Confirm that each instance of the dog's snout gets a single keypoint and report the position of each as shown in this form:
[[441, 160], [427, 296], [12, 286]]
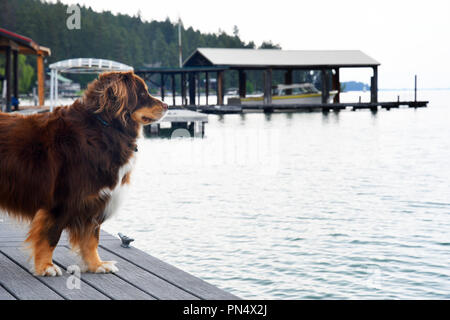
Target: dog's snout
[[164, 105]]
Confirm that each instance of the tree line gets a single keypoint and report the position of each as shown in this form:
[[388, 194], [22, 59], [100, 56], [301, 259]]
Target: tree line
[[123, 38]]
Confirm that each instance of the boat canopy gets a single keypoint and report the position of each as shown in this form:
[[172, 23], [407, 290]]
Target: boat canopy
[[80, 65]]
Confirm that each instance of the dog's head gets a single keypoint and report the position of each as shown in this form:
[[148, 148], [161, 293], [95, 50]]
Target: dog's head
[[124, 96]]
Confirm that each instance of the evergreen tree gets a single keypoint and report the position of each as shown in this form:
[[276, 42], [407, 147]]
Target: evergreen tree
[[118, 37]]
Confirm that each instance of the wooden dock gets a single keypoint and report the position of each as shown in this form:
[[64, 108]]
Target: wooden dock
[[325, 107], [140, 277]]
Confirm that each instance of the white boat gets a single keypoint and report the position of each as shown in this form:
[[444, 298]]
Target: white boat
[[298, 93]]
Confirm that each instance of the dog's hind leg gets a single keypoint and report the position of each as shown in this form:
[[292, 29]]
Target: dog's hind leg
[[43, 237], [87, 245]]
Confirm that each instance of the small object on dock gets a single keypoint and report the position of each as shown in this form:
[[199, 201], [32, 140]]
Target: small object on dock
[[125, 240]]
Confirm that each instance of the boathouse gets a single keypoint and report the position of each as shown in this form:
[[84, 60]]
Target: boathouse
[[216, 61], [268, 60], [11, 45]]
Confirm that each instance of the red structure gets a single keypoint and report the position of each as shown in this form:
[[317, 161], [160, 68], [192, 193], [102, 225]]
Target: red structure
[[13, 44]]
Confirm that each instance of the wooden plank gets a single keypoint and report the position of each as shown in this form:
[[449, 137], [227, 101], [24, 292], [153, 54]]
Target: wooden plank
[[21, 244], [15, 231], [57, 284], [5, 295], [145, 280], [6, 238], [22, 284], [110, 285], [169, 273]]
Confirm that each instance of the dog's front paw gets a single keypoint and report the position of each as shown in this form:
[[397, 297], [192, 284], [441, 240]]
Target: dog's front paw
[[107, 267], [50, 270]]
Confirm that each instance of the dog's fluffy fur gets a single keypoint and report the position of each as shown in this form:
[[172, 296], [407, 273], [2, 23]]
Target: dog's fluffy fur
[[61, 170]]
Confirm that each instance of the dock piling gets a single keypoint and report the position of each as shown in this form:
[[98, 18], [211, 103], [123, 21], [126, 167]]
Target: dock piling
[[415, 88]]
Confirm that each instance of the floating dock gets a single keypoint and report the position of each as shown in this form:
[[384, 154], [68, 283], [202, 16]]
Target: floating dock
[[140, 277], [178, 123]]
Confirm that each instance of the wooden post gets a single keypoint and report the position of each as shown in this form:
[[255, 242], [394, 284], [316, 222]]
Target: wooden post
[[197, 76], [162, 86], [183, 88], [220, 91], [337, 85], [268, 86], [325, 90], [242, 83], [8, 78], [191, 88], [206, 86], [16, 76], [374, 86], [415, 88], [288, 80], [173, 90], [41, 79]]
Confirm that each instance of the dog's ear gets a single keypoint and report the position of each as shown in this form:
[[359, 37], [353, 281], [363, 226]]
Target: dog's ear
[[115, 93]]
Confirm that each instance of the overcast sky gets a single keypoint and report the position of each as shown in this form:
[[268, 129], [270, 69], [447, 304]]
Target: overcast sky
[[406, 37]]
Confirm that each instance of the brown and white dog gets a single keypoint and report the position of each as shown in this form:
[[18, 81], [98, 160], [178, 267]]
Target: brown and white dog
[[64, 170]]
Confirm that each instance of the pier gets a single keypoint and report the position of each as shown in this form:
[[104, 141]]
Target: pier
[[140, 276], [324, 107], [220, 62]]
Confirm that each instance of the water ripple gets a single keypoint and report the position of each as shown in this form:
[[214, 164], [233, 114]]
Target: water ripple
[[350, 207]]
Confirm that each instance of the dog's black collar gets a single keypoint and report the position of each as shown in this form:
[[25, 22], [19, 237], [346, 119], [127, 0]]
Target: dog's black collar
[[104, 123]]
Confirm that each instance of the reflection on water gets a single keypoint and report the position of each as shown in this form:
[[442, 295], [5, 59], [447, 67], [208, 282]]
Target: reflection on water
[[302, 205]]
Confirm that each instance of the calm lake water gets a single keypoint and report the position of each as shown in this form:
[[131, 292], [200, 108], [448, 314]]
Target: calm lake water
[[352, 205]]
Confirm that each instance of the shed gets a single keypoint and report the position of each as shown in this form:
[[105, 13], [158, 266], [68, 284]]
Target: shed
[[14, 43]]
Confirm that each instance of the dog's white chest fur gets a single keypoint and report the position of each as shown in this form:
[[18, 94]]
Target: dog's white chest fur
[[117, 194]]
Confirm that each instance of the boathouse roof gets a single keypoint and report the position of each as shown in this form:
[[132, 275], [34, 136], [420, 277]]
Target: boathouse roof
[[22, 44], [275, 58]]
